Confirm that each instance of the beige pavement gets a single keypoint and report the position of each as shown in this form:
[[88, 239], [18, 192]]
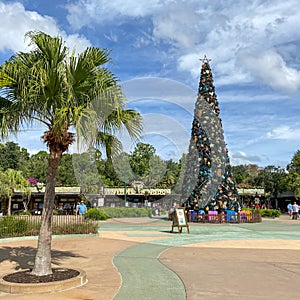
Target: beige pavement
[[251, 269]]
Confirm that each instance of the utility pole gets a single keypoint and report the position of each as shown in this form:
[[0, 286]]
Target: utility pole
[[124, 190]]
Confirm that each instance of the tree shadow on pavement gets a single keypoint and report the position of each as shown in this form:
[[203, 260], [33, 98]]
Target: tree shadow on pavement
[[24, 257]]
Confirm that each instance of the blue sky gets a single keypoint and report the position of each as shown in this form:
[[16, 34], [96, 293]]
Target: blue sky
[[155, 49]]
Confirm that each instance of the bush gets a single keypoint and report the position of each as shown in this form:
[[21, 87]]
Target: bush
[[266, 213], [269, 213], [11, 226], [75, 228], [24, 213], [14, 226], [96, 214], [124, 212]]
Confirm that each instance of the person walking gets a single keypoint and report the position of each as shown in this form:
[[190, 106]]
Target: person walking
[[295, 211], [290, 209], [81, 209]]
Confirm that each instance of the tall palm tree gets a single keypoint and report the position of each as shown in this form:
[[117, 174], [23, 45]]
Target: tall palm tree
[[62, 91]]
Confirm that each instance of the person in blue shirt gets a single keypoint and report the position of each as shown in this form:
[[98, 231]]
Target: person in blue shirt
[[81, 209], [290, 209]]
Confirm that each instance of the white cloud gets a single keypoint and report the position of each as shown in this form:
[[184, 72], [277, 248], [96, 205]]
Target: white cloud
[[224, 31], [88, 12], [270, 68], [284, 133], [241, 158], [16, 21]]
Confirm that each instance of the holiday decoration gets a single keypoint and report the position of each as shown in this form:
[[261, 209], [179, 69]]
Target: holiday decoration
[[208, 182]]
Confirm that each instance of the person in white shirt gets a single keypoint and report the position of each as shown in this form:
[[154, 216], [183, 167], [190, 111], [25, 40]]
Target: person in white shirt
[[295, 211]]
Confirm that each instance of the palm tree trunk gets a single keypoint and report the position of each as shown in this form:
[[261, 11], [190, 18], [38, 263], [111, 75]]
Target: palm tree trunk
[[9, 206], [42, 265]]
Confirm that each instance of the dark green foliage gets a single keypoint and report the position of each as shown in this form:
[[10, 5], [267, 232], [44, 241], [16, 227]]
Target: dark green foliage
[[13, 157], [24, 213], [269, 213], [140, 159], [37, 166], [66, 176], [96, 214], [10, 226], [266, 213], [123, 212], [273, 179]]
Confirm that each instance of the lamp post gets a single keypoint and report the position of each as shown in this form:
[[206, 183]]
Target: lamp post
[[124, 190]]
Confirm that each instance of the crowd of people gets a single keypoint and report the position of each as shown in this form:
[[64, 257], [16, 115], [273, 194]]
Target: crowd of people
[[77, 209]]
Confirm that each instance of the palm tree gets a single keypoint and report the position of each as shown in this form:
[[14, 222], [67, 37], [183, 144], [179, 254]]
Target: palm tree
[[63, 92], [12, 180]]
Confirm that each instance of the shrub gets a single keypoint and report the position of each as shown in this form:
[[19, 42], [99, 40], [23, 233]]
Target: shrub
[[266, 213], [270, 213], [24, 213], [76, 228], [11, 226], [96, 214], [126, 212]]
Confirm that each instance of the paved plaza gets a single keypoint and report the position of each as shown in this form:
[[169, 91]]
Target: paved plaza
[[139, 258]]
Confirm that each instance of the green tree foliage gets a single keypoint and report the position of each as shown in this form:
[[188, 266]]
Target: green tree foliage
[[86, 172], [171, 175], [13, 157], [293, 177], [37, 166], [10, 181], [66, 176], [240, 174], [294, 165], [245, 175], [272, 179], [140, 159]]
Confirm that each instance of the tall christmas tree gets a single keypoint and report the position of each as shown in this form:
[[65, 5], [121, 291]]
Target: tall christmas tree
[[208, 180]]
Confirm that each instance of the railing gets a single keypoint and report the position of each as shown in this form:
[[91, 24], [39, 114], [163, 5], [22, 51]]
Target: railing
[[214, 217], [14, 226]]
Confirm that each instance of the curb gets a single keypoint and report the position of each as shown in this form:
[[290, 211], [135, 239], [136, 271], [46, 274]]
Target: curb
[[55, 286]]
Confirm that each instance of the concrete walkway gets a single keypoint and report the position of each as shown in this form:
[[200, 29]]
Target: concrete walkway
[[140, 259]]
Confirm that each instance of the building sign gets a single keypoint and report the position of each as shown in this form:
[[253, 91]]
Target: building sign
[[132, 191], [251, 191]]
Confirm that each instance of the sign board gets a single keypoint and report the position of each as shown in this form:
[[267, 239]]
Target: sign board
[[179, 219]]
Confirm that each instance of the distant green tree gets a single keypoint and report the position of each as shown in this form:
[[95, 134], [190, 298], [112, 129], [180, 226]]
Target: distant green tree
[[293, 176], [294, 165], [37, 166], [272, 179], [140, 159], [85, 170], [66, 176], [156, 173], [13, 157], [171, 175], [240, 174], [293, 183]]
